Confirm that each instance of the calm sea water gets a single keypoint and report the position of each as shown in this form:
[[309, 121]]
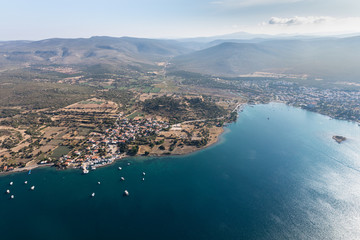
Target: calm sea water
[[282, 178]]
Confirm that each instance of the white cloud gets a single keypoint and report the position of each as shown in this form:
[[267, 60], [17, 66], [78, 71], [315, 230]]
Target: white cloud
[[250, 3], [309, 25], [300, 20]]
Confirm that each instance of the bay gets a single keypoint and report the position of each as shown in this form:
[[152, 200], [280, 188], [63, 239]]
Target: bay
[[276, 174]]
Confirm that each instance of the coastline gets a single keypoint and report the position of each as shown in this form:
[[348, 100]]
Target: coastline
[[188, 151], [314, 111], [26, 168], [219, 140], [191, 150]]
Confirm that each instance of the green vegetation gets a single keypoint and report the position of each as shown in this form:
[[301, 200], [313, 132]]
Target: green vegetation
[[60, 151], [205, 109], [123, 98], [33, 95], [4, 113], [4, 132], [197, 79], [165, 106], [27, 119], [178, 110], [135, 114], [133, 150]]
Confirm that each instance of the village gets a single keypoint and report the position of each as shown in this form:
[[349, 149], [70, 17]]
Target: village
[[103, 149]]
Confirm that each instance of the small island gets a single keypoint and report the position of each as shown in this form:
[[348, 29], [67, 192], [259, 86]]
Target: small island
[[339, 139]]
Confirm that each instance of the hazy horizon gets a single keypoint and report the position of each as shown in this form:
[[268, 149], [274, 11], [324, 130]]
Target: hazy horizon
[[237, 35], [25, 20]]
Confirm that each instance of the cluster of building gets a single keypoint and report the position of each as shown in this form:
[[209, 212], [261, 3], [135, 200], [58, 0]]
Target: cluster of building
[[126, 130], [336, 103], [102, 149]]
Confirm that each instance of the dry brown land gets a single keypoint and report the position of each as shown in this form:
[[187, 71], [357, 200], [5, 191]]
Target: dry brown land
[[76, 121]]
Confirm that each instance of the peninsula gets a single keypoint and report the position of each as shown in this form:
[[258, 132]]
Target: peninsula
[[86, 102]]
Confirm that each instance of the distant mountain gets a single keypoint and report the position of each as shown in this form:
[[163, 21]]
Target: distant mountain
[[329, 58], [94, 50], [250, 37], [233, 36]]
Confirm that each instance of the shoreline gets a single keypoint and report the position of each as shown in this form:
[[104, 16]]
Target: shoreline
[[218, 140], [194, 150], [24, 169], [310, 110], [211, 144]]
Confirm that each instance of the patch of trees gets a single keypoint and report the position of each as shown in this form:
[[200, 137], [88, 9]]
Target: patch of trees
[[197, 79], [133, 150], [173, 145], [178, 110], [29, 119], [4, 132], [233, 116], [206, 108], [10, 142], [123, 147], [197, 143], [31, 95], [4, 113], [165, 106], [122, 97]]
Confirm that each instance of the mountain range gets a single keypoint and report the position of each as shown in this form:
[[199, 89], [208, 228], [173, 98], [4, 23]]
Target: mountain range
[[329, 58]]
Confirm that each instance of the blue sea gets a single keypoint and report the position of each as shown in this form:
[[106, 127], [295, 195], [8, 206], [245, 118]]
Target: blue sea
[[276, 174]]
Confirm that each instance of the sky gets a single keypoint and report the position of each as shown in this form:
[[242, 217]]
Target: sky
[[41, 19]]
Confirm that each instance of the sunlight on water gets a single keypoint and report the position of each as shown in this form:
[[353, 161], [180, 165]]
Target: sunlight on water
[[282, 178]]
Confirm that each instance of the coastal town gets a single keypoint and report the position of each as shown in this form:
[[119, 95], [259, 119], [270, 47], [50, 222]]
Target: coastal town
[[111, 124], [95, 132], [103, 149], [336, 103]]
